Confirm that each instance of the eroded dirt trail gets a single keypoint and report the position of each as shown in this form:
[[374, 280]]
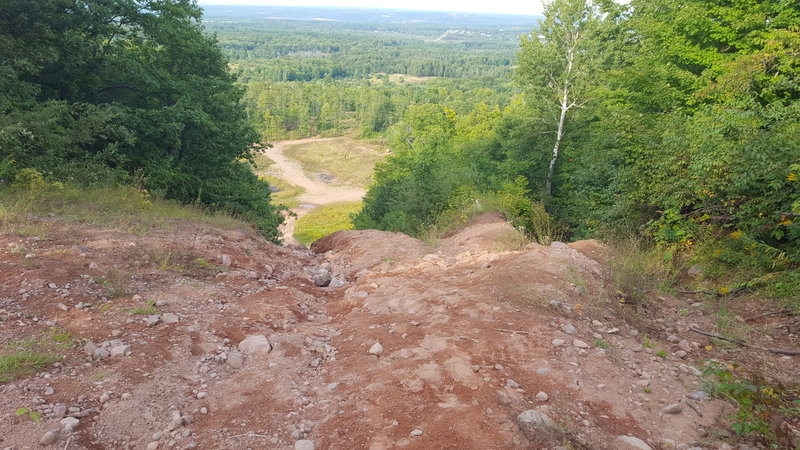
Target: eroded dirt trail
[[317, 192], [468, 346]]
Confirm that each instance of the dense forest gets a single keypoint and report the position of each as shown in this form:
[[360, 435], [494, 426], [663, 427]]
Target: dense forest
[[685, 131], [125, 91]]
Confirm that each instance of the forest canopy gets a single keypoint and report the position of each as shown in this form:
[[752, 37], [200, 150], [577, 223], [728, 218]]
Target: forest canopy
[[126, 91]]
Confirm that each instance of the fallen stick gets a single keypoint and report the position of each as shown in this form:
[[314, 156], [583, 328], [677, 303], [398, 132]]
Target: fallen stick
[[67, 444], [745, 344], [511, 331], [250, 435], [691, 405]]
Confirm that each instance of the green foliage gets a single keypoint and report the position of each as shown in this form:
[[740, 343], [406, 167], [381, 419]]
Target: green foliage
[[33, 415], [324, 220], [149, 309], [114, 91], [762, 405], [21, 363], [639, 271]]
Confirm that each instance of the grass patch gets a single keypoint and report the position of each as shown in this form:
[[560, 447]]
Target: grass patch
[[122, 207], [351, 162], [288, 194], [149, 309], [23, 363], [640, 273], [325, 220]]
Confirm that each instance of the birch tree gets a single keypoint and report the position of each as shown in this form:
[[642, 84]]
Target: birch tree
[[554, 65]]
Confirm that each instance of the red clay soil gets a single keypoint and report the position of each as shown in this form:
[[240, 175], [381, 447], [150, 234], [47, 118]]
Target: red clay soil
[[472, 335]]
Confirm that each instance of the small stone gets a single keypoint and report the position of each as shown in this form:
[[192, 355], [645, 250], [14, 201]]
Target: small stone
[[49, 438], [536, 420], [580, 344], [101, 353], [697, 395], [304, 444], [202, 395], [667, 444], [685, 346], [512, 384], [597, 324], [94, 265], [235, 360], [126, 396], [255, 344], [104, 398], [543, 371], [59, 410], [672, 338], [170, 318], [152, 446], [116, 333], [136, 298], [499, 367], [69, 423], [417, 432], [153, 320], [161, 303], [332, 386], [643, 383], [322, 278], [89, 348], [227, 260], [49, 391], [542, 397], [204, 410], [681, 354], [120, 350], [558, 342], [376, 349], [613, 331], [569, 329], [158, 435], [631, 443], [674, 408]]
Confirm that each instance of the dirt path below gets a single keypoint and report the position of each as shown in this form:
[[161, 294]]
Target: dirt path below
[[317, 193]]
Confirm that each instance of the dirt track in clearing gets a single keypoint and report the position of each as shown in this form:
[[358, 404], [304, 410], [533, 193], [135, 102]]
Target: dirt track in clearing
[[317, 192]]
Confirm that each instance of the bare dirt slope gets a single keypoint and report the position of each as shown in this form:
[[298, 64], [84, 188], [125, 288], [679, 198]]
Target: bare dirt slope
[[477, 348]]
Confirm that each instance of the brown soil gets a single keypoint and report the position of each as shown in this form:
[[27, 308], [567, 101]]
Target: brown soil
[[465, 331]]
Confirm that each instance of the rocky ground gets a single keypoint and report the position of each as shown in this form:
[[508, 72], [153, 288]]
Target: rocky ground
[[200, 338]]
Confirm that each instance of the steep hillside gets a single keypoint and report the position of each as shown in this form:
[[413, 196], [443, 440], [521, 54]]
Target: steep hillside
[[193, 336]]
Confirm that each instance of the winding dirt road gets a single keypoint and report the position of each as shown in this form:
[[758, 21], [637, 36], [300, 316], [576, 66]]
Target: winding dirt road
[[317, 193]]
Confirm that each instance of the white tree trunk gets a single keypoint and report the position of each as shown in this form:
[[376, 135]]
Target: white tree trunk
[[565, 106]]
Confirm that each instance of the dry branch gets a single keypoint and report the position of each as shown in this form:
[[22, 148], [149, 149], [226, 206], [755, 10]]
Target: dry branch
[[745, 344]]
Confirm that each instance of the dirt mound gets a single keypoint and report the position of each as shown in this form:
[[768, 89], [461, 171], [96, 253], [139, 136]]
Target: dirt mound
[[358, 250], [465, 346]]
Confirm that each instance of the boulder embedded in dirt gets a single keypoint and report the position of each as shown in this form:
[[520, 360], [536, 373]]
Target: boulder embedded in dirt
[[631, 443], [536, 421], [255, 344]]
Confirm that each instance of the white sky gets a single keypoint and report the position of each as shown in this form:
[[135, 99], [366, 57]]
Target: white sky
[[528, 7]]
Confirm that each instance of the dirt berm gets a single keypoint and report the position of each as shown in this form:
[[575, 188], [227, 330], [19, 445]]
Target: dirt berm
[[466, 346]]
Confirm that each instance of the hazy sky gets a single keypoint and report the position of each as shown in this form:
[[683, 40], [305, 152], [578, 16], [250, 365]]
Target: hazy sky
[[529, 7]]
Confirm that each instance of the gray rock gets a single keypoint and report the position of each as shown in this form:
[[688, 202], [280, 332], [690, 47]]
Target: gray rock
[[235, 360], [152, 446], [153, 320], [202, 395], [580, 344], [376, 349], [675, 408], [697, 395], [49, 438], [512, 384], [59, 410], [104, 398], [120, 350], [685, 346], [101, 353], [558, 342], [322, 278], [332, 386], [304, 444], [542, 397], [170, 318], [255, 344], [69, 423], [227, 260], [543, 371], [49, 391], [672, 338], [569, 329], [89, 348], [417, 432], [631, 443], [536, 421]]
